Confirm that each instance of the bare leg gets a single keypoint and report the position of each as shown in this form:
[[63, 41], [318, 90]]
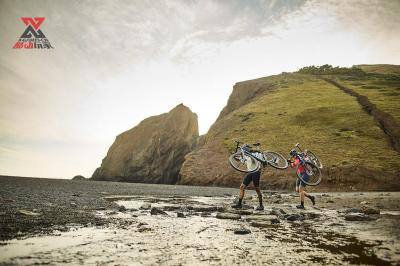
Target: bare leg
[[259, 195], [301, 192], [241, 196], [242, 191]]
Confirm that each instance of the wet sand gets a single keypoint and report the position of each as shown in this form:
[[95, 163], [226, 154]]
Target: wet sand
[[47, 221]]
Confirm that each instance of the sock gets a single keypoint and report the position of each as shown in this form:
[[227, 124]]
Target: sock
[[260, 200], [302, 203], [240, 202], [309, 196]]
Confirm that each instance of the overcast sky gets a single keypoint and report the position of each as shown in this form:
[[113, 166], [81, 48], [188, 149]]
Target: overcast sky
[[118, 62]]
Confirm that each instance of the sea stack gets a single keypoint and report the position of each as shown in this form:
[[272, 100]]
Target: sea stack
[[153, 151]]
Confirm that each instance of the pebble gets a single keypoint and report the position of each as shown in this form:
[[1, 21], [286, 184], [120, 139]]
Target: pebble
[[156, 211], [295, 217], [145, 206], [29, 213], [241, 231], [364, 202], [231, 216], [357, 217], [180, 215], [370, 210], [278, 212], [122, 208]]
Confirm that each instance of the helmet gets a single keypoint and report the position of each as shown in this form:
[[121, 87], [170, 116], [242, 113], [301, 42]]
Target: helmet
[[293, 152]]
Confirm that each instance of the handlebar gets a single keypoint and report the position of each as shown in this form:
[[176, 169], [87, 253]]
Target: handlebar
[[237, 145]]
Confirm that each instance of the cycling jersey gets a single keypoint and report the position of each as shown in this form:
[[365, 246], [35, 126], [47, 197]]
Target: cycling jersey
[[295, 163]]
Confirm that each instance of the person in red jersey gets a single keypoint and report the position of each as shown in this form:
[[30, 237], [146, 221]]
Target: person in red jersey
[[300, 185]]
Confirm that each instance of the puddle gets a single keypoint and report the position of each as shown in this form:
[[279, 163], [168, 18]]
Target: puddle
[[29, 246]]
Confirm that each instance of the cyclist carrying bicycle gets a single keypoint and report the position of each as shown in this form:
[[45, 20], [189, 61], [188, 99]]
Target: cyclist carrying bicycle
[[248, 178], [300, 185]]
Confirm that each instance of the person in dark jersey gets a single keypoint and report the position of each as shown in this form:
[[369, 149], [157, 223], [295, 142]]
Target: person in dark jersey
[[248, 178]]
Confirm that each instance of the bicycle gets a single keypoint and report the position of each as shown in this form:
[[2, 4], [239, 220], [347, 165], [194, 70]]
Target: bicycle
[[310, 156], [312, 170], [247, 161]]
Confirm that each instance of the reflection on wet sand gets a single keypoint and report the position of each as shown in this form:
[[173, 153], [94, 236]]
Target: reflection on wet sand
[[205, 230]]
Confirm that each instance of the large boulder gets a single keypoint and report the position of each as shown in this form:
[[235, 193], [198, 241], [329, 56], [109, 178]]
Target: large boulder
[[153, 151]]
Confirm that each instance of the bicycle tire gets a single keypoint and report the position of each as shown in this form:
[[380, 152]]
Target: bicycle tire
[[235, 162], [314, 159], [276, 160], [314, 173]]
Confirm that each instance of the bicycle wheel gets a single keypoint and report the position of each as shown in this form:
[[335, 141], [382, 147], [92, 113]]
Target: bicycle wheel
[[313, 172], [276, 160], [314, 159], [245, 164]]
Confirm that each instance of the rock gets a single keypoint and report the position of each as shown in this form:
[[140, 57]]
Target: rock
[[358, 217], [144, 229], [330, 201], [28, 213], [171, 207], [145, 206], [241, 231], [180, 215], [122, 208], [294, 217], [156, 211], [364, 202], [275, 221], [204, 208], [79, 178], [73, 204], [260, 218], [153, 151], [231, 216], [278, 212], [312, 215], [353, 210], [239, 211], [261, 224], [370, 210]]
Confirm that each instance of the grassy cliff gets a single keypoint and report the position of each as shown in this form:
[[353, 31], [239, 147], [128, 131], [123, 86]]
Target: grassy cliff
[[280, 110]]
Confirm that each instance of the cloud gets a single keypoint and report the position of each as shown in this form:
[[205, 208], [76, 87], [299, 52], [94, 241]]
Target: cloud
[[117, 62]]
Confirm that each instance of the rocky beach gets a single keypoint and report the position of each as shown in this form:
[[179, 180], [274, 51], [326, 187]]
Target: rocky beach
[[61, 222]]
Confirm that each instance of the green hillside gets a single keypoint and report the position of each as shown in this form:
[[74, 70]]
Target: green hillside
[[295, 107], [382, 90]]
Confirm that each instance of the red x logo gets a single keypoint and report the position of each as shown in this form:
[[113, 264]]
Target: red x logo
[[35, 22]]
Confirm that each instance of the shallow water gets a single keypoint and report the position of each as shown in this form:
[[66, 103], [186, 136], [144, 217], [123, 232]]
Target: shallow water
[[139, 238]]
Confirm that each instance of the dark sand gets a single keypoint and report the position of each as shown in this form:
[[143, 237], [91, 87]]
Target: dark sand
[[58, 222]]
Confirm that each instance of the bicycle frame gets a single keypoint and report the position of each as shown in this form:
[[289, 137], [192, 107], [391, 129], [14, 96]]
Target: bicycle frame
[[244, 152]]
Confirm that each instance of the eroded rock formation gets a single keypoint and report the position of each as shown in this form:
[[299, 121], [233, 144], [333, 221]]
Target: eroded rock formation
[[153, 151]]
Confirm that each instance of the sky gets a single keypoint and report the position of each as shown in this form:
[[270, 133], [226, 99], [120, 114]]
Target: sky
[[115, 63]]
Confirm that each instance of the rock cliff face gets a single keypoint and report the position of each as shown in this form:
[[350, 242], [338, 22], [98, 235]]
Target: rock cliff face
[[280, 110], [153, 151]]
